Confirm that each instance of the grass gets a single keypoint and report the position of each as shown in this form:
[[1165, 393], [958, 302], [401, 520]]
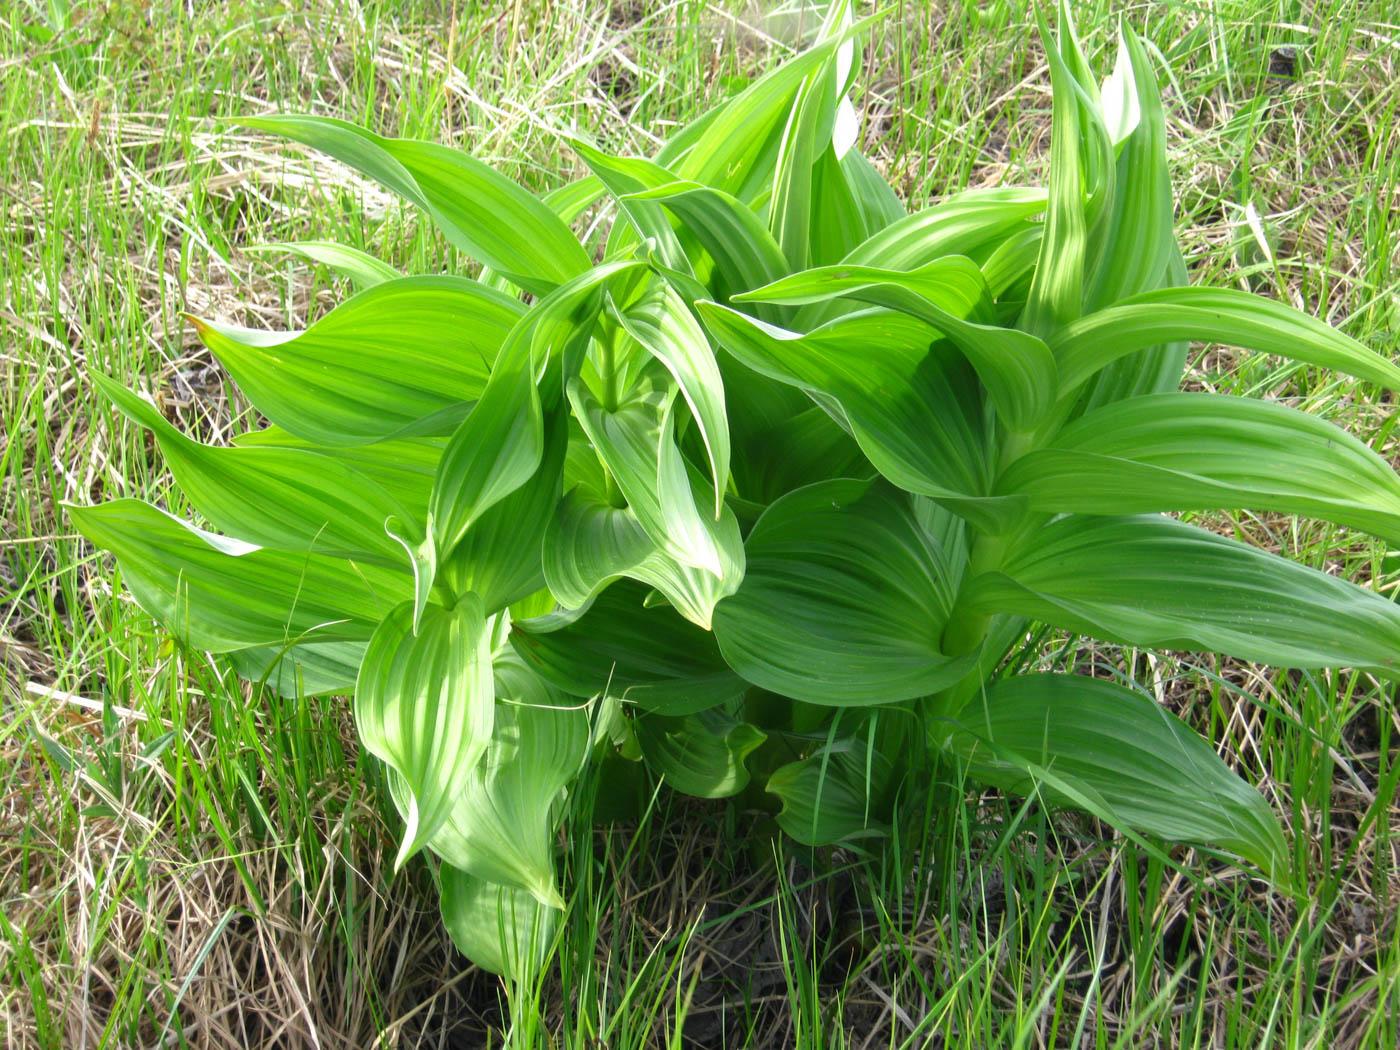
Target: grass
[[183, 863]]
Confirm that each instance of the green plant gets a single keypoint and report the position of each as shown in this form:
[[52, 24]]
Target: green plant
[[765, 498]]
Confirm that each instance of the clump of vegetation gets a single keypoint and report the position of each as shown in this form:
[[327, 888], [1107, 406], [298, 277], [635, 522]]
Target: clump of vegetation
[[765, 498]]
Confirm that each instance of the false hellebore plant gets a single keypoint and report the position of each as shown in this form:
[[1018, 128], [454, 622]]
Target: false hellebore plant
[[764, 498]]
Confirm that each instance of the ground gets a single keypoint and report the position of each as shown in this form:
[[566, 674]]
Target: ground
[[181, 865]]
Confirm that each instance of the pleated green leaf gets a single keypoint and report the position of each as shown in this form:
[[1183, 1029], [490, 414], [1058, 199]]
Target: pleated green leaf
[[500, 827], [403, 467], [589, 543], [478, 209], [625, 178], [965, 224], [663, 325], [744, 252], [1057, 290], [1124, 758], [362, 268], [842, 792], [280, 498], [736, 151], [649, 657], [701, 754], [301, 670], [218, 593], [500, 556], [951, 295], [495, 450], [1213, 315], [1139, 233], [425, 706], [1209, 452], [911, 402], [383, 360], [843, 601], [1153, 581], [637, 442], [504, 930]]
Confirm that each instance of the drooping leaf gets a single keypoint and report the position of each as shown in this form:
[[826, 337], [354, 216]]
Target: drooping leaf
[[844, 791], [425, 706], [589, 543], [403, 467], [744, 252], [637, 442], [649, 657], [385, 359], [217, 593], [495, 450], [1217, 315], [361, 267], [500, 826], [1153, 581], [1209, 452], [701, 754], [504, 930], [910, 401], [499, 557], [843, 600], [964, 224], [1101, 747], [280, 498], [952, 296], [478, 209], [661, 323], [301, 670]]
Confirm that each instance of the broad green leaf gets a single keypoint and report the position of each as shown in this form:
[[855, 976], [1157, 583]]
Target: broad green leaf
[[499, 557], [842, 792], [625, 177], [218, 593], [662, 324], [737, 150], [501, 929], [1016, 368], [964, 224], [361, 267], [701, 754], [1133, 255], [279, 498], [301, 670], [478, 209], [589, 544], [844, 599], [495, 450], [425, 704], [1209, 452], [500, 827], [838, 223], [386, 358], [790, 216], [744, 252], [911, 402], [649, 657], [637, 443], [1116, 753], [1057, 291], [1214, 315], [403, 467], [879, 204], [1153, 581]]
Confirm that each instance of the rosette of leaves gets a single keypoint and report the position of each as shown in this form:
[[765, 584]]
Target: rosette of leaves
[[762, 489]]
